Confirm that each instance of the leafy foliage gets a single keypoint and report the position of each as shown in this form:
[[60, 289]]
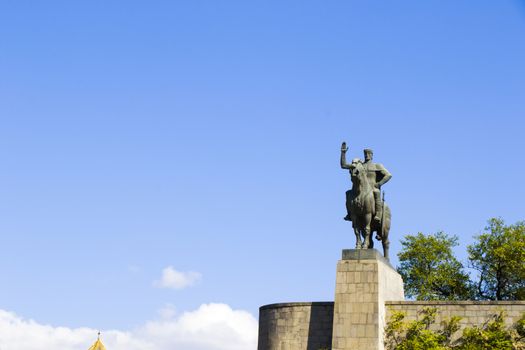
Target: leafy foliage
[[520, 328], [491, 336], [418, 335], [498, 255], [430, 270]]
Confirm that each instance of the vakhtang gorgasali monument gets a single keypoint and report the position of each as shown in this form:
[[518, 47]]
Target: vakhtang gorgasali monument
[[364, 206], [364, 279], [367, 287]]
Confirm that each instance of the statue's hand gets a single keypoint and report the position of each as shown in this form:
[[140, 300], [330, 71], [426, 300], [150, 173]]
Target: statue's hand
[[343, 147]]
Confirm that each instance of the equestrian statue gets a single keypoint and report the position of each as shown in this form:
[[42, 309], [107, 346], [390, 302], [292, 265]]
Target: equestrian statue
[[365, 208]]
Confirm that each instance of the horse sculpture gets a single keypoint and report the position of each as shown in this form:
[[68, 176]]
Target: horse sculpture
[[362, 211]]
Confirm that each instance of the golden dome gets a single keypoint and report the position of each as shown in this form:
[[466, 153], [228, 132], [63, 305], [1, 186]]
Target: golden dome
[[98, 345]]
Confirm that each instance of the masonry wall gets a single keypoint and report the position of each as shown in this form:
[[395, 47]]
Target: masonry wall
[[296, 326], [308, 326], [368, 290], [364, 281], [472, 312]]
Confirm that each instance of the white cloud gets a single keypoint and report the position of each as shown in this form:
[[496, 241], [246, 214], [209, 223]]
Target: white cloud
[[174, 279], [210, 327], [21, 334]]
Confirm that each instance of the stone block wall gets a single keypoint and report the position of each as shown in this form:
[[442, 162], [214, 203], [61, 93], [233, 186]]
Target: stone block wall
[[308, 326], [472, 312], [367, 291], [364, 281], [296, 326]]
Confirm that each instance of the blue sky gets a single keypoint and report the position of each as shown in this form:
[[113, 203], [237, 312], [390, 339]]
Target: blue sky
[[205, 136]]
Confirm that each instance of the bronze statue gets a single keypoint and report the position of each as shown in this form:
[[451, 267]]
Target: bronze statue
[[364, 206]]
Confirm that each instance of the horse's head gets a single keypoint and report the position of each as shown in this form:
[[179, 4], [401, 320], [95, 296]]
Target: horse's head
[[356, 168]]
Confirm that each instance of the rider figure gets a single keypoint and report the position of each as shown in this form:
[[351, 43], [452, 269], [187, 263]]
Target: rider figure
[[377, 176]]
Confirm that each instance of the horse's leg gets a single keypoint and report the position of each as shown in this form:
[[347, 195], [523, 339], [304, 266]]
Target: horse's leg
[[386, 246], [357, 238], [366, 231], [366, 236]]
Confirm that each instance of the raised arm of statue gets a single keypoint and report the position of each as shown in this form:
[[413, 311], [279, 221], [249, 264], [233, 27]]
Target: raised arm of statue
[[343, 156]]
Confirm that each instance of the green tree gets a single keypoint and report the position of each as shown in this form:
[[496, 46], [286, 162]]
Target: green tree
[[499, 257], [493, 335], [520, 328], [424, 334], [401, 334], [429, 269]]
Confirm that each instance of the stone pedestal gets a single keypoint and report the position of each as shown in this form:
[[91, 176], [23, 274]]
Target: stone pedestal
[[364, 281], [296, 326]]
